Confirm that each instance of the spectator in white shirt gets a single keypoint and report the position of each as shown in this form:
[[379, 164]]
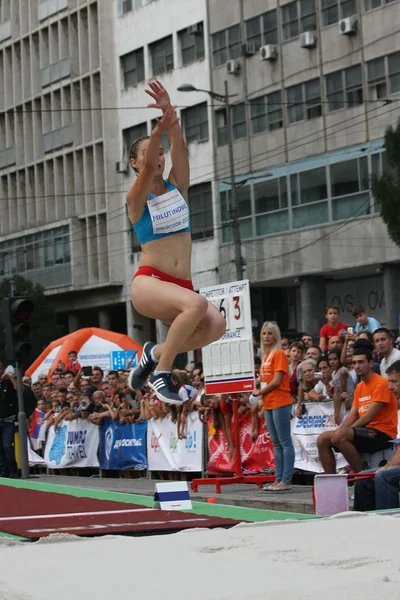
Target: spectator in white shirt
[[383, 340], [364, 322]]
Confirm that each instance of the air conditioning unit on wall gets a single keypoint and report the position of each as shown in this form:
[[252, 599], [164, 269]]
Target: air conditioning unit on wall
[[248, 49], [233, 67], [348, 26], [268, 52], [308, 39], [195, 29], [122, 166]]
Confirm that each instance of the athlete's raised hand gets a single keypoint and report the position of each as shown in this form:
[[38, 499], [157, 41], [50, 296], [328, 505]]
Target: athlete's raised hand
[[168, 120], [159, 94]]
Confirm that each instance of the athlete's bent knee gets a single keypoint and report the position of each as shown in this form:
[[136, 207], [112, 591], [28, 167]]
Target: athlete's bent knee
[[200, 305]]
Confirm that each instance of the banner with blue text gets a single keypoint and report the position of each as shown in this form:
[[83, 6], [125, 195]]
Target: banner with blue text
[[123, 446], [318, 417], [72, 444]]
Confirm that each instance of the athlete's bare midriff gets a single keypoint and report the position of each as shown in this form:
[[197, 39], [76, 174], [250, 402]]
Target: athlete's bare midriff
[[171, 255]]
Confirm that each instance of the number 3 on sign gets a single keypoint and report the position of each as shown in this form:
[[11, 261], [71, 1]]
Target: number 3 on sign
[[237, 314]]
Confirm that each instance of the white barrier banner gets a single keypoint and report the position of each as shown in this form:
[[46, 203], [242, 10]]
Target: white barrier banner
[[305, 431], [73, 444], [165, 452]]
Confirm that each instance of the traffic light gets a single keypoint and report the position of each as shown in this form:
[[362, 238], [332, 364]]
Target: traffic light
[[15, 313]]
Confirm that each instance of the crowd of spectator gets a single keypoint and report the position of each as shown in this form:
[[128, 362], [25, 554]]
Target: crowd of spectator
[[318, 370], [357, 368]]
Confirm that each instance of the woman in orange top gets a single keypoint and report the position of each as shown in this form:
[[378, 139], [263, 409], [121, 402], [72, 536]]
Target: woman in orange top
[[275, 393]]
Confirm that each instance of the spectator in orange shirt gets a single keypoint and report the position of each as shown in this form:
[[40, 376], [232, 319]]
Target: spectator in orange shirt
[[275, 393], [371, 422]]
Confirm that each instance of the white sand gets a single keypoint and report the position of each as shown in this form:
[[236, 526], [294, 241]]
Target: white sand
[[349, 557]]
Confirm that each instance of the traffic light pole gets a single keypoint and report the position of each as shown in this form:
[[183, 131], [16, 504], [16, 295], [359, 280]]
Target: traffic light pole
[[22, 428]]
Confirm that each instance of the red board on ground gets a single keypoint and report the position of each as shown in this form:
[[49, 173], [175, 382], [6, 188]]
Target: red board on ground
[[33, 514]]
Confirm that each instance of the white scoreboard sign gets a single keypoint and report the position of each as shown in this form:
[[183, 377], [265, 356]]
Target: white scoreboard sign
[[228, 363]]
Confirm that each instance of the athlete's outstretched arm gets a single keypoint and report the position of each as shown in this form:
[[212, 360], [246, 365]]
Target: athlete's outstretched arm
[[180, 172], [138, 192]]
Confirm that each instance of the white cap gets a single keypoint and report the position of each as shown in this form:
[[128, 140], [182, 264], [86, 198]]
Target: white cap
[[10, 369]]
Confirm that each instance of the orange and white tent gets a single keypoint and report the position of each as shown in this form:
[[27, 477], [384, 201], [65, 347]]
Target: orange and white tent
[[95, 347]]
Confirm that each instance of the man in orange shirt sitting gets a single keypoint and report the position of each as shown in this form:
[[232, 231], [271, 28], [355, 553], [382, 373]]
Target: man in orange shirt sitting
[[371, 422]]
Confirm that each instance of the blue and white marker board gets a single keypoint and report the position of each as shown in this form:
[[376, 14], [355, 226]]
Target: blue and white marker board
[[172, 495]]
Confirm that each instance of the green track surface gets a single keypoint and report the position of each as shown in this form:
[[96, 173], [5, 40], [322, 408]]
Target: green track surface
[[238, 513]]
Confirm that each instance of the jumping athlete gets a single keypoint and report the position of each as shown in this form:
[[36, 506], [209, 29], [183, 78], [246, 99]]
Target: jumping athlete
[[162, 287]]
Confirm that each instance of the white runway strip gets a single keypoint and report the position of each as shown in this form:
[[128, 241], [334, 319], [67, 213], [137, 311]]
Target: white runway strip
[[78, 514], [354, 557]]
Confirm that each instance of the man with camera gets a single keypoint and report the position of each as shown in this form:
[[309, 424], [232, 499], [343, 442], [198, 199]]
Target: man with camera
[[371, 422], [8, 418]]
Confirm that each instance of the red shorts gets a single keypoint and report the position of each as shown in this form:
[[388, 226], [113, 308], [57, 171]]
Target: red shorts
[[151, 272]]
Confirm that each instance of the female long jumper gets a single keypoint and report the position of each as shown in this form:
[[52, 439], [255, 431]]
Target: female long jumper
[[162, 287]]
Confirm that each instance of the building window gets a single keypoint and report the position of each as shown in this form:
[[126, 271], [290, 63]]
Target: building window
[[192, 45], [132, 66], [266, 113], [349, 177], [195, 123], [371, 4], [164, 137], [201, 211], [297, 17], [344, 88], [162, 55], [243, 200], [350, 188], [270, 195], [263, 29], [304, 101], [28, 253], [334, 10], [131, 134], [384, 76], [226, 45], [309, 193], [239, 129], [221, 125], [126, 6]]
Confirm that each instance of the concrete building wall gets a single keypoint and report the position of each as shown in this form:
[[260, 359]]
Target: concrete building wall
[[310, 240], [61, 221]]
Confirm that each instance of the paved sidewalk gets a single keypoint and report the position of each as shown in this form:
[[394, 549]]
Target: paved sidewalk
[[298, 499]]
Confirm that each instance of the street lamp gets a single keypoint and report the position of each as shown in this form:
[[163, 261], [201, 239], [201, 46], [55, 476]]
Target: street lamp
[[188, 87]]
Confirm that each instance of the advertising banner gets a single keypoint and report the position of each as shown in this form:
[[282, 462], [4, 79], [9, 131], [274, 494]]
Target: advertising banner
[[123, 446], [255, 455], [72, 444], [305, 431], [166, 452]]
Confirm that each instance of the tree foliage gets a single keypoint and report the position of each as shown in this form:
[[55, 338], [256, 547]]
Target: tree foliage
[[44, 328], [386, 188]]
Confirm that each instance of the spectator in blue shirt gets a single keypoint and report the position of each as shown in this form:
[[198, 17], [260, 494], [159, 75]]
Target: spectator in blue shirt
[[364, 322]]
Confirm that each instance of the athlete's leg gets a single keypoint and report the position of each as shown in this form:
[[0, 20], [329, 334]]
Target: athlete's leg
[[194, 321], [211, 328]]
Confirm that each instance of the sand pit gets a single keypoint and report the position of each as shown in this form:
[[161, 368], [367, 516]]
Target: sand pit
[[349, 557]]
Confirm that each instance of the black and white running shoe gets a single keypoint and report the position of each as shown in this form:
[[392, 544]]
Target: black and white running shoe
[[137, 376], [164, 388]]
